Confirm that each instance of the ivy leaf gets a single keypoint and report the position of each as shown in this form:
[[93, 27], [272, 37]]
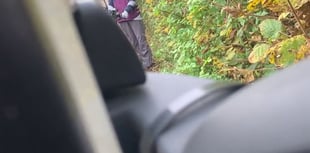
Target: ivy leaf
[[270, 29], [260, 52]]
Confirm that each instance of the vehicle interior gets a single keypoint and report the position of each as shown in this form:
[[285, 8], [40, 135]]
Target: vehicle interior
[[65, 89]]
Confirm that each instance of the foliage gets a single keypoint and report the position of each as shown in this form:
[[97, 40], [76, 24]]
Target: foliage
[[288, 51], [274, 5], [223, 39], [260, 52], [270, 29]]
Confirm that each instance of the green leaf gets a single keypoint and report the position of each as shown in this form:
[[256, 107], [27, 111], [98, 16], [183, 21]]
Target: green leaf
[[252, 66], [293, 43], [270, 69], [242, 21], [270, 29], [261, 13], [260, 52], [287, 59], [289, 47]]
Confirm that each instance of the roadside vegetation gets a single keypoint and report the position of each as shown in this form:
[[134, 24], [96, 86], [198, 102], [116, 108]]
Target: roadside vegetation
[[240, 40]]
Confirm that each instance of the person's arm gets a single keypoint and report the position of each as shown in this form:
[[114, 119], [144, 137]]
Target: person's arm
[[111, 5], [131, 6]]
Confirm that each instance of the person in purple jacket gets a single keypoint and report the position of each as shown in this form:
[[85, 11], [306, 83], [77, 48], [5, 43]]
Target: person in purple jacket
[[130, 22]]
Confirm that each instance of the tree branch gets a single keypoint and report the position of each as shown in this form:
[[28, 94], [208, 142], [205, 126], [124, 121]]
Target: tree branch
[[297, 18]]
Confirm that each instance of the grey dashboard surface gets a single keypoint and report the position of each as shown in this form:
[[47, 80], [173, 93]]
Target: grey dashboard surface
[[134, 109], [269, 116], [152, 97]]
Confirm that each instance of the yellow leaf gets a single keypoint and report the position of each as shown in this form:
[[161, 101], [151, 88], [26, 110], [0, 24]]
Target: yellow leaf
[[149, 1], [190, 17], [266, 3], [260, 52], [230, 54], [223, 32], [170, 44], [195, 24], [272, 56], [252, 4], [166, 30], [283, 15], [302, 52]]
